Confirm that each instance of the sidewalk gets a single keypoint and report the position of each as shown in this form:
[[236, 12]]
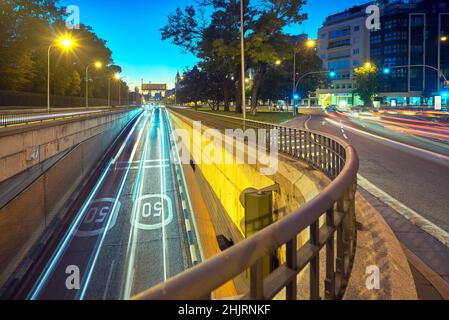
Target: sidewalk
[[428, 258]]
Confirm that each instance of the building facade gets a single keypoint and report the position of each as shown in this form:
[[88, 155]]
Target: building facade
[[343, 45], [411, 48]]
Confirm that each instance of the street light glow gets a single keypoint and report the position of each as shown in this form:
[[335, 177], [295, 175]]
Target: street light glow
[[368, 65], [66, 42], [311, 43], [444, 38], [332, 74], [278, 62], [387, 71], [98, 64]]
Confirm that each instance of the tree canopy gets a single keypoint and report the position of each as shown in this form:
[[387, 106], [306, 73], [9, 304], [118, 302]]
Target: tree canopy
[[215, 39], [367, 81], [27, 28]]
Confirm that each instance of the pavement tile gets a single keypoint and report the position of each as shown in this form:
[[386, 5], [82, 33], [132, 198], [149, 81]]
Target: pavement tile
[[400, 224], [435, 259], [419, 241]]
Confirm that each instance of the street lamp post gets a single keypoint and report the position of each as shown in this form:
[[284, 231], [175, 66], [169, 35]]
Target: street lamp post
[[310, 44], [242, 54], [115, 77], [296, 84], [97, 65], [64, 43]]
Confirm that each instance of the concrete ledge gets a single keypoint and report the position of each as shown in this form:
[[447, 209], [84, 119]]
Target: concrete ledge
[[378, 246]]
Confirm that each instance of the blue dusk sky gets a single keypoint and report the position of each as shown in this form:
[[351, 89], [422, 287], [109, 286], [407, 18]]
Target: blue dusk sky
[[131, 29]]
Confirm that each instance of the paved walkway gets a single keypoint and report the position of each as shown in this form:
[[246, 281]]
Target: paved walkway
[[428, 257]]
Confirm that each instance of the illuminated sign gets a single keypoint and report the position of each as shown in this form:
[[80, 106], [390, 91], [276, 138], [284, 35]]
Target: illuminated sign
[[154, 87]]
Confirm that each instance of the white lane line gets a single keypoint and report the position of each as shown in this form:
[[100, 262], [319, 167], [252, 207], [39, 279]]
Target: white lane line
[[126, 140], [193, 252], [186, 203], [108, 281], [138, 161], [132, 239], [188, 227], [144, 167], [411, 215], [428, 152], [306, 123], [162, 179]]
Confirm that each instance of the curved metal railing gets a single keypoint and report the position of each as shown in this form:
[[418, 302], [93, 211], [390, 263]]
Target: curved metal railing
[[339, 161]]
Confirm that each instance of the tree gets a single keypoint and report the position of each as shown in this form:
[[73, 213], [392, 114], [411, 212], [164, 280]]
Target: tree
[[193, 86], [367, 81], [217, 40], [27, 28]]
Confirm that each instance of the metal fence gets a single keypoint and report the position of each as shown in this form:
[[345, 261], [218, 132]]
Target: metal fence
[[336, 203], [15, 99], [12, 118]]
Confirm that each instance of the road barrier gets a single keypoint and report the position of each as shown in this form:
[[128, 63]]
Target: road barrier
[[336, 204], [11, 118]]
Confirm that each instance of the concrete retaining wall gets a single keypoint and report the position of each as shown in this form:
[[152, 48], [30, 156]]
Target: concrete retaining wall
[[23, 147], [298, 183]]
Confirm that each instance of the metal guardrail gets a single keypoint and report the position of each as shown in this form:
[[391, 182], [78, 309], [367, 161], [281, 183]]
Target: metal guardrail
[[336, 203], [13, 118]]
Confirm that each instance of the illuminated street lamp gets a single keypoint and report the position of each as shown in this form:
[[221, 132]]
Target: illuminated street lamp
[[332, 74], [242, 59], [97, 65], [311, 43], [64, 43], [387, 71], [443, 38], [278, 62]]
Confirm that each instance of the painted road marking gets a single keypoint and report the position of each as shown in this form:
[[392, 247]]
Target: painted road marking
[[431, 153], [144, 167], [108, 281], [69, 235], [93, 222], [162, 178], [411, 215], [153, 207], [132, 240]]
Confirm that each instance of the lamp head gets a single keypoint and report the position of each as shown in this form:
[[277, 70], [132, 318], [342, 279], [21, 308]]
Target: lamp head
[[311, 43]]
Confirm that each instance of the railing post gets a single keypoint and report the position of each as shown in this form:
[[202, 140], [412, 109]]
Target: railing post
[[290, 142], [291, 289], [329, 283], [315, 263], [296, 143], [256, 280]]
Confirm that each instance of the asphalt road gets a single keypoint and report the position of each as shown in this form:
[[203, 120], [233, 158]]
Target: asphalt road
[[414, 171], [129, 235]]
